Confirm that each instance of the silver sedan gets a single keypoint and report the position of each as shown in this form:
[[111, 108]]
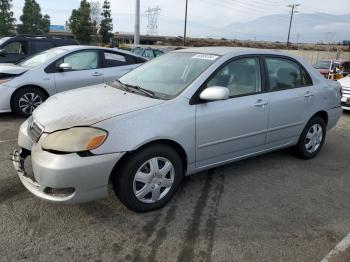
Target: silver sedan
[[184, 112], [27, 84]]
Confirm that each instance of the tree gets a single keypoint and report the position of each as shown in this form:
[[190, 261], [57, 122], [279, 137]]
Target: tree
[[33, 22], [106, 24], [80, 23], [95, 15], [6, 17]]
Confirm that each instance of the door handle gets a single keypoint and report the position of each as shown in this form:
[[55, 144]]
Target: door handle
[[97, 74], [308, 94], [261, 103]]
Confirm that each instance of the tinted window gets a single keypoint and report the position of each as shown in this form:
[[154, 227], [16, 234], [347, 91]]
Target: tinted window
[[285, 74], [158, 53], [43, 45], [83, 60], [148, 53], [114, 59], [241, 77], [17, 47]]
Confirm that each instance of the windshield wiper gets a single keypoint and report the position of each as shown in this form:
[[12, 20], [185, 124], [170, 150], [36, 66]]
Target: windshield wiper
[[128, 88], [141, 90], [119, 85]]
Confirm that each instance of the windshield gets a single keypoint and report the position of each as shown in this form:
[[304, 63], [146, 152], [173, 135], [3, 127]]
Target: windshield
[[170, 74], [3, 40], [41, 58]]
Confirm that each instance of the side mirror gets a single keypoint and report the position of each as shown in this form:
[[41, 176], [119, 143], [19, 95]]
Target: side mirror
[[64, 67], [3, 52], [215, 93]]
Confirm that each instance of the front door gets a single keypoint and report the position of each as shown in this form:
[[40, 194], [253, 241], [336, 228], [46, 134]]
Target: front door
[[235, 127], [85, 71]]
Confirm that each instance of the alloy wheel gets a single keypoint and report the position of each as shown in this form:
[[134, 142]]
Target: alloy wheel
[[28, 102]]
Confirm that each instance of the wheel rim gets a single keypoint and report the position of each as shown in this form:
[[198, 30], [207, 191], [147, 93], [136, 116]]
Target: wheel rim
[[28, 102], [153, 180], [313, 138]]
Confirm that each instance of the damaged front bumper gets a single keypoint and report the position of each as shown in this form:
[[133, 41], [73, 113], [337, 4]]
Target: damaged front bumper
[[62, 178]]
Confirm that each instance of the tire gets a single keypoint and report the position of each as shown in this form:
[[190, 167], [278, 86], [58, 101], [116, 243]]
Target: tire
[[148, 183], [26, 99], [312, 138]]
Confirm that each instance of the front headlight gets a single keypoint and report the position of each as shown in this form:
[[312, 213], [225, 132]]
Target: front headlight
[[77, 139], [3, 81]]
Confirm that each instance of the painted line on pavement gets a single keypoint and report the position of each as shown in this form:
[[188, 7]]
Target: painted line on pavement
[[339, 248], [7, 141]]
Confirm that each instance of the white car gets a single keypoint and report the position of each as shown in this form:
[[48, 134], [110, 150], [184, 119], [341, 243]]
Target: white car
[[28, 83], [345, 84]]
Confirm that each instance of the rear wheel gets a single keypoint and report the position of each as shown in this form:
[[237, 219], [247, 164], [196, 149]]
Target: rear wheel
[[312, 138], [149, 178], [25, 100]]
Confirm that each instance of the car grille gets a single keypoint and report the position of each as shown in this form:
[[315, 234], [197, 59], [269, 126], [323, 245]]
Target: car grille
[[35, 130], [346, 90]]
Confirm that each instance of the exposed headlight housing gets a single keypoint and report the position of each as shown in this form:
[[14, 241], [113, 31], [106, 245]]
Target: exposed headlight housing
[[3, 81], [75, 140]]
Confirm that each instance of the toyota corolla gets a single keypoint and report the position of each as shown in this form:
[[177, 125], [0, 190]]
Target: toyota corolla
[[184, 112]]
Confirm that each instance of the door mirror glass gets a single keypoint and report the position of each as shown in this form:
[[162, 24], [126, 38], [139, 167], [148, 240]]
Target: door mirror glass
[[3, 52], [214, 93], [64, 67]]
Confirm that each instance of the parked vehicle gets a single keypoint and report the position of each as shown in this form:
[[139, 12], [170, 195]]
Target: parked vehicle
[[16, 48], [27, 84], [326, 67], [148, 53], [345, 83], [181, 113]]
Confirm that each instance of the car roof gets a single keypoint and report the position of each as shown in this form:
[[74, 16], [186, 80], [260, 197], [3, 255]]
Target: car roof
[[225, 50], [70, 48]]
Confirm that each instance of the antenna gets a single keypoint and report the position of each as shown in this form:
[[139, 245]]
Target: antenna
[[152, 14]]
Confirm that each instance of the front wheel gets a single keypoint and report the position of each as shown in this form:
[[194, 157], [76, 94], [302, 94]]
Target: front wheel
[[25, 100], [149, 178], [312, 138]]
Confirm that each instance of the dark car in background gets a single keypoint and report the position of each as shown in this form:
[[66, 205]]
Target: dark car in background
[[16, 48], [147, 52], [327, 66]]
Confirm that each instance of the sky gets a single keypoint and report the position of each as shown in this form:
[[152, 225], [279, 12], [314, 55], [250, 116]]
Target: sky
[[204, 16]]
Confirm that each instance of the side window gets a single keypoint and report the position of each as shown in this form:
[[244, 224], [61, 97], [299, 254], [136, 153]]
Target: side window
[[18, 47], [43, 45], [241, 77], [83, 60], [285, 74], [148, 53], [158, 53], [114, 59]]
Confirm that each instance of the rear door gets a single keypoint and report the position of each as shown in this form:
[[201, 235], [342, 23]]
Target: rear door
[[41, 45], [291, 98], [116, 64], [86, 70]]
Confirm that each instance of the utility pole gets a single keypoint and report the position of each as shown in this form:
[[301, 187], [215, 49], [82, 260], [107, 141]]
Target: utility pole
[[137, 23], [184, 43], [294, 11]]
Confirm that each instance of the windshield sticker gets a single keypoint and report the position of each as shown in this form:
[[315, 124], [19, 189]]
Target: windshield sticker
[[205, 57]]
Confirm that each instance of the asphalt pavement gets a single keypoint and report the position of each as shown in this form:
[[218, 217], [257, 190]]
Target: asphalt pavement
[[274, 207]]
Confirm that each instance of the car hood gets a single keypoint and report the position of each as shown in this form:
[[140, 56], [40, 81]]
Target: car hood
[[87, 106], [12, 69], [345, 81]]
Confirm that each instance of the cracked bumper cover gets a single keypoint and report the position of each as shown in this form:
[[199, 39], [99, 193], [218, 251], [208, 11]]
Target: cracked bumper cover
[[88, 176]]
